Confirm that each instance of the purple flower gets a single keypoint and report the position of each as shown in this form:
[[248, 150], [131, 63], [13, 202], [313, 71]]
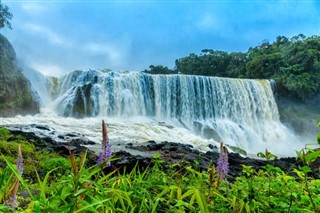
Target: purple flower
[[12, 202], [20, 161], [104, 155], [223, 164], [106, 152]]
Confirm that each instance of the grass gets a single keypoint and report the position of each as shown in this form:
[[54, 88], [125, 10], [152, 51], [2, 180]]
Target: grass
[[71, 185]]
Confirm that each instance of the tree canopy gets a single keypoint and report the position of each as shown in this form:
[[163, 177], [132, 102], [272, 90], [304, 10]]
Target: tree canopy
[[294, 63], [159, 70], [5, 16]]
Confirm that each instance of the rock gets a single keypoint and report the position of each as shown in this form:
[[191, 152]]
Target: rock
[[82, 104], [301, 117], [213, 147], [48, 139], [16, 96], [206, 131], [172, 153]]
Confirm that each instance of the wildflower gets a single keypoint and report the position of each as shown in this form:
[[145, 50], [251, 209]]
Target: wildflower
[[20, 161], [223, 164], [12, 202], [106, 152]]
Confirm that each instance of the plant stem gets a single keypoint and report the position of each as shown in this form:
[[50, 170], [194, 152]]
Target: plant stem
[[309, 194]]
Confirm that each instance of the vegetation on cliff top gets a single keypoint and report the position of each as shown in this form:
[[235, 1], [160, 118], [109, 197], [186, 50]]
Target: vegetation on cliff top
[[294, 63], [5, 16]]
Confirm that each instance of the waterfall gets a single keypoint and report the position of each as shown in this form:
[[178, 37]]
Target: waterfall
[[240, 112], [39, 84]]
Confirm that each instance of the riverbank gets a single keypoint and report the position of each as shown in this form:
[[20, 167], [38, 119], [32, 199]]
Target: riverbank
[[153, 177], [128, 155]]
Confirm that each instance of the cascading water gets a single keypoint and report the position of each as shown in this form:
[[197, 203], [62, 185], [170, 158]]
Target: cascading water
[[240, 112]]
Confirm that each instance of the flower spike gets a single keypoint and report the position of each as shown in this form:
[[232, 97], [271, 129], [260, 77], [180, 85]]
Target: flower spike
[[106, 152]]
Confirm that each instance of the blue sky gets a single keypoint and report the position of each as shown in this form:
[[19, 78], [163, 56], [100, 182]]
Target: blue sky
[[56, 37]]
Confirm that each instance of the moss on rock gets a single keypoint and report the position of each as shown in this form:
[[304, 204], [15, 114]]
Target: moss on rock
[[35, 159], [16, 96]]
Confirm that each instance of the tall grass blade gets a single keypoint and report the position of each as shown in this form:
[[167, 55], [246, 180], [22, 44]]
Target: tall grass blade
[[17, 174], [43, 184], [201, 202]]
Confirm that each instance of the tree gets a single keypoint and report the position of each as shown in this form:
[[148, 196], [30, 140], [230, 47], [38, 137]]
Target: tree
[[159, 70], [237, 65], [190, 65], [294, 64], [5, 16]]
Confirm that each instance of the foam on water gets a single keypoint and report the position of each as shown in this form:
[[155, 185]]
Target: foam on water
[[140, 129], [194, 110], [121, 131]]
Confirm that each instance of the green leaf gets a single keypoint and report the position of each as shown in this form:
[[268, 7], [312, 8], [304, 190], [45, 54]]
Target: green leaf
[[233, 202], [43, 184], [261, 155], [312, 156], [241, 205], [305, 169], [156, 155], [91, 205], [201, 202], [187, 194], [247, 208], [270, 155], [37, 207], [17, 174], [155, 205], [299, 173]]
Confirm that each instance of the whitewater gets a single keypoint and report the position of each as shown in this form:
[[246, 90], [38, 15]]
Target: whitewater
[[138, 107]]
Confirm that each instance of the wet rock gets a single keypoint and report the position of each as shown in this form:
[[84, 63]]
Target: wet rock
[[172, 153], [16, 96], [48, 139], [213, 147], [206, 131]]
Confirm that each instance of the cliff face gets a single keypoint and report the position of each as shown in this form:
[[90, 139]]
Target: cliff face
[[301, 117], [16, 96]]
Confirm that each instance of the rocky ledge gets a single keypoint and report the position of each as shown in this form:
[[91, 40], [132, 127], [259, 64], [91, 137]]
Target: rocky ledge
[[171, 153]]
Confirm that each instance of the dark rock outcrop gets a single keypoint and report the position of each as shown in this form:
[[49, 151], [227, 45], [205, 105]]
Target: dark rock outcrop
[[46, 138], [186, 155], [129, 155], [16, 96], [181, 155], [83, 104]]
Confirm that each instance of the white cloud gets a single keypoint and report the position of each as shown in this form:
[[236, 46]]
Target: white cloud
[[45, 33], [209, 22], [33, 8], [113, 51], [103, 49]]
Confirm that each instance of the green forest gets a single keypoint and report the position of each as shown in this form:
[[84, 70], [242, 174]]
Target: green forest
[[294, 63]]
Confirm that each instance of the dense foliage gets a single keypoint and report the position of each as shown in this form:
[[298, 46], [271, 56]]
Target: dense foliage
[[71, 186], [159, 70], [5, 16], [294, 63]]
